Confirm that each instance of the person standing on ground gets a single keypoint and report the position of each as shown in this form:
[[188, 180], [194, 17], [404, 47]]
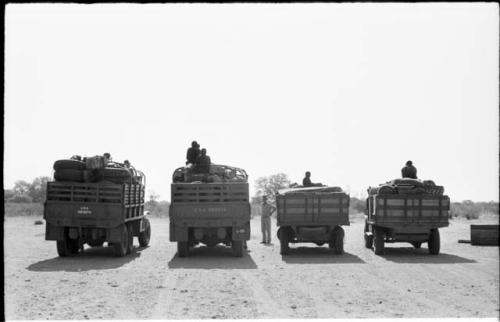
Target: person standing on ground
[[265, 220], [409, 171], [203, 162], [192, 153]]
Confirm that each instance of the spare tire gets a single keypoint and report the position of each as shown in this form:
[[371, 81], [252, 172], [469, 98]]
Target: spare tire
[[386, 190], [69, 164], [115, 173], [418, 191], [68, 175], [428, 183]]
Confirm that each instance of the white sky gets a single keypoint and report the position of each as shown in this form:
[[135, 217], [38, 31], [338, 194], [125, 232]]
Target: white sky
[[347, 91]]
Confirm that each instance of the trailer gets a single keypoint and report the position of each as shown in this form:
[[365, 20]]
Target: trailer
[[406, 217], [312, 215]]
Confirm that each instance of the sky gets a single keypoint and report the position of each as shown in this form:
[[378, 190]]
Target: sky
[[347, 91]]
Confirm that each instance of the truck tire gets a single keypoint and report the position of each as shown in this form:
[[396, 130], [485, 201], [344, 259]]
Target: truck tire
[[338, 239], [68, 175], [434, 242], [121, 247], [145, 235], [182, 249], [67, 247], [237, 246], [130, 239], [417, 244], [69, 164], [368, 238], [378, 241], [284, 240]]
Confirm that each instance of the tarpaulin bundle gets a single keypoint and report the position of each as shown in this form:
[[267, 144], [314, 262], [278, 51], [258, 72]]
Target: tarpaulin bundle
[[308, 190], [218, 174], [407, 186]]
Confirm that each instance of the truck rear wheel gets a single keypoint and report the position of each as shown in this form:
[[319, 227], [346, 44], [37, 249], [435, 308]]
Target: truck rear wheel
[[130, 239], [182, 249], [145, 235], [338, 241], [237, 246], [121, 247], [378, 241], [283, 236], [67, 247], [434, 242]]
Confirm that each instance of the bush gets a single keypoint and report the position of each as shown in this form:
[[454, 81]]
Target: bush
[[472, 210], [157, 208], [23, 209]]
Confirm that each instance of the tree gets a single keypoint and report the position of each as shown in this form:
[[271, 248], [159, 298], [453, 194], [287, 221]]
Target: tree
[[270, 185], [38, 189], [21, 187]]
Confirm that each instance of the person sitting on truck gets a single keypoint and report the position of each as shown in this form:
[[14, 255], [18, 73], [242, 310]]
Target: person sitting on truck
[[107, 158], [265, 220], [409, 171], [193, 153], [306, 182], [202, 164]]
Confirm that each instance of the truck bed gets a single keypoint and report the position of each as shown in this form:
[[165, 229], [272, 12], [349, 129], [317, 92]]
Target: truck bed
[[313, 209], [93, 204], [408, 209]]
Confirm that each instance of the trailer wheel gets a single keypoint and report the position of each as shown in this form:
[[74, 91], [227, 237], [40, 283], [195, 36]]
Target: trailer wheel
[[417, 244], [237, 246], [130, 239], [121, 247], [378, 241], [368, 237], [338, 241], [283, 237], [434, 242], [145, 235], [182, 249], [67, 247]]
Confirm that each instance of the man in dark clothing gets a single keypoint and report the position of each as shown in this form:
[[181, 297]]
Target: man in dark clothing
[[203, 162], [192, 153], [306, 182], [409, 171]]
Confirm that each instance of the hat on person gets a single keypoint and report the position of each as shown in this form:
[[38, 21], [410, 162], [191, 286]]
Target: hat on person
[[408, 163]]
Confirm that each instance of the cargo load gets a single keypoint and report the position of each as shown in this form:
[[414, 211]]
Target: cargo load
[[407, 186], [218, 174], [95, 169]]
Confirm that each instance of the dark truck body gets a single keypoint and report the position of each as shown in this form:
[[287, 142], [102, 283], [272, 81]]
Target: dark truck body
[[311, 216], [409, 218], [210, 213], [94, 213]]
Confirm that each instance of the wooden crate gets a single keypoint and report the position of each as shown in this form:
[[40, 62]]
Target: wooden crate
[[484, 234]]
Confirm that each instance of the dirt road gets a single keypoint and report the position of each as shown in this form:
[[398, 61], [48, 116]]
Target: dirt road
[[311, 282]]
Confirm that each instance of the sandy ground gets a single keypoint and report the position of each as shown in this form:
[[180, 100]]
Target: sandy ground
[[311, 282]]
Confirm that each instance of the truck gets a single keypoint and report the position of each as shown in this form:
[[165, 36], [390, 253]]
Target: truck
[[212, 212], [78, 213], [405, 213], [312, 214]]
